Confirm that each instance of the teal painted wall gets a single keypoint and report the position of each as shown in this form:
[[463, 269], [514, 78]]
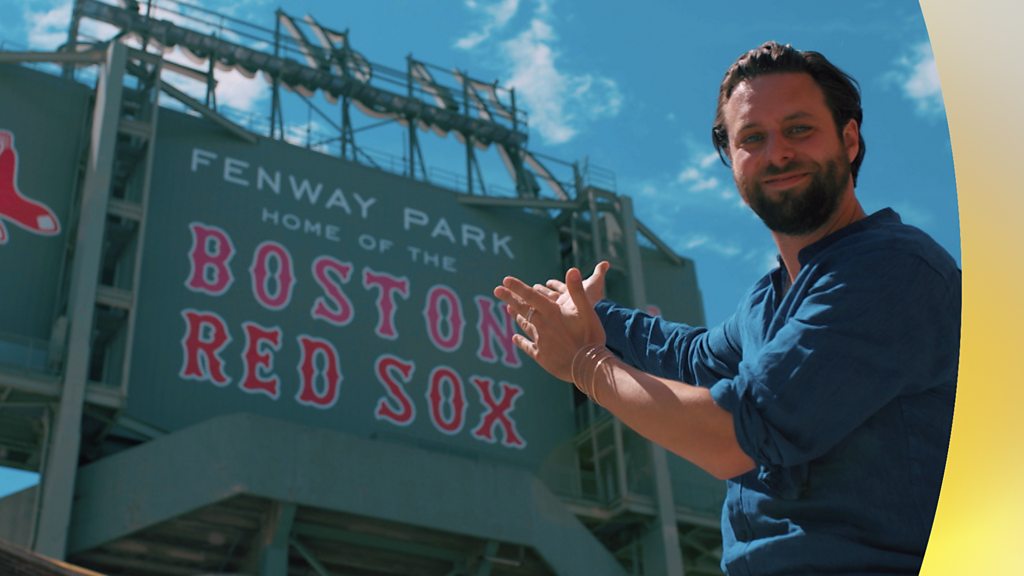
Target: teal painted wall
[[206, 321], [44, 118]]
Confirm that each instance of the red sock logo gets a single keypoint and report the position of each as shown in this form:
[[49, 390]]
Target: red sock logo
[[14, 207]]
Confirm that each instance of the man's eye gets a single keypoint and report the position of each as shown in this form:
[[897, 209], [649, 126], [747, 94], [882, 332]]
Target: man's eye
[[751, 139], [798, 130]]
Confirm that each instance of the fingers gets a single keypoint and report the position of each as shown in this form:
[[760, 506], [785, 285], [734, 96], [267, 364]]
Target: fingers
[[522, 294], [556, 285], [546, 292], [513, 303], [528, 328], [525, 345], [574, 284]]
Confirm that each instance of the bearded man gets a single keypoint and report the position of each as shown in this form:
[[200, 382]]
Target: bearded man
[[826, 400]]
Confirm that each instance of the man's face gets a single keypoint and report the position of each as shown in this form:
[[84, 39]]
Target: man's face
[[790, 165]]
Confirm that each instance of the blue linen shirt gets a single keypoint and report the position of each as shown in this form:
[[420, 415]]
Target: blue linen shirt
[[841, 389]]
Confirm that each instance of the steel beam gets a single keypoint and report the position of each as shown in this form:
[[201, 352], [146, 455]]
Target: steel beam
[[88, 57], [58, 479], [376, 542], [662, 482], [208, 113], [487, 560], [650, 235], [295, 74], [274, 540], [317, 566], [520, 202], [50, 386]]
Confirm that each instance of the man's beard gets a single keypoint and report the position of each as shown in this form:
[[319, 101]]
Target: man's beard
[[796, 213]]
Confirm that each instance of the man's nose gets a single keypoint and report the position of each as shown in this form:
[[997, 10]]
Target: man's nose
[[780, 150]]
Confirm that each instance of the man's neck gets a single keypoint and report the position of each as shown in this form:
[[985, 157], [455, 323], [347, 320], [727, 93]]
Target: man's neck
[[848, 212]]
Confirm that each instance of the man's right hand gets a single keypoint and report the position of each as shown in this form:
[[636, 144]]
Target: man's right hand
[[555, 290]]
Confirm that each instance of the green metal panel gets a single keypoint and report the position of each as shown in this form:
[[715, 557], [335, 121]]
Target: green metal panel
[[244, 454], [672, 288], [45, 118], [212, 194]]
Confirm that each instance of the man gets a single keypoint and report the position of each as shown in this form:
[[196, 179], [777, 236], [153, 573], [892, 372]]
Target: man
[[826, 401]]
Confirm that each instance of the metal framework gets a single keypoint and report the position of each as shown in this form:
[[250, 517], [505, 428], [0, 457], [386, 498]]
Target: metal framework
[[72, 414], [422, 97]]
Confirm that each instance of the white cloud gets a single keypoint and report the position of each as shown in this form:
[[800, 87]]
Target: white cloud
[[47, 30], [705, 184], [559, 102], [306, 133], [727, 250], [471, 40], [710, 244], [766, 258], [695, 241], [689, 174], [918, 78], [708, 160], [236, 91], [496, 15], [539, 82], [649, 191], [697, 178], [233, 89], [48, 27]]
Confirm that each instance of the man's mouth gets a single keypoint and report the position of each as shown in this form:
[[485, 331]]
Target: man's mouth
[[785, 180]]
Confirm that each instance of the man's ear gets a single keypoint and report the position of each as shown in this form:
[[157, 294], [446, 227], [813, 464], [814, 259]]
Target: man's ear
[[851, 139]]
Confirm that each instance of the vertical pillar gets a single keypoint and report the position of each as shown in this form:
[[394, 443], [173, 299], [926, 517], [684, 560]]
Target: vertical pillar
[[72, 43], [666, 512], [274, 540], [621, 479], [275, 90], [659, 462], [485, 565], [58, 479]]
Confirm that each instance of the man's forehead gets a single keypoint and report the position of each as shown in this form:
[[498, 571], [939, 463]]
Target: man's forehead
[[774, 97]]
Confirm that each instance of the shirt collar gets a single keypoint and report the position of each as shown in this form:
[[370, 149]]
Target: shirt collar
[[881, 218]]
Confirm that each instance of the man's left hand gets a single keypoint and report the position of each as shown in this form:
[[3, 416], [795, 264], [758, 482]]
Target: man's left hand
[[553, 332]]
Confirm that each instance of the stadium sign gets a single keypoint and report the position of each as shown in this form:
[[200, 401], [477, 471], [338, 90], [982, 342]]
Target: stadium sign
[[280, 281]]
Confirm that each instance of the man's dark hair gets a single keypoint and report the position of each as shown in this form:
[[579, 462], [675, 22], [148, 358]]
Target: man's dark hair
[[842, 93]]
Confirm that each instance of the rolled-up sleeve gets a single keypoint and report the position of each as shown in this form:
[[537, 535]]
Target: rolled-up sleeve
[[668, 349], [850, 346]]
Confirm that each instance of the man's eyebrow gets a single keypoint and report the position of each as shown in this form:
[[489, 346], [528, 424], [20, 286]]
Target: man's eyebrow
[[788, 118], [797, 115]]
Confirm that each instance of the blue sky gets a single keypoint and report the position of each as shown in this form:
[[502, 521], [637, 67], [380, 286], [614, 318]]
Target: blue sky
[[633, 91]]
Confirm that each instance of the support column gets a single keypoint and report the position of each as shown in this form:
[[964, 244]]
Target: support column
[[58, 478], [659, 462], [666, 512], [274, 540], [486, 563]]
